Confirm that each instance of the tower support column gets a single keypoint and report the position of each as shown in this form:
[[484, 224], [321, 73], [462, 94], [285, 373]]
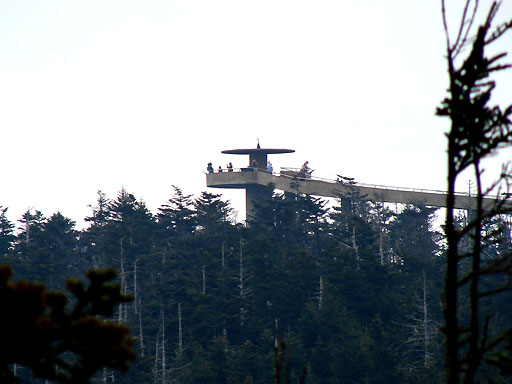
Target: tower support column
[[254, 195]]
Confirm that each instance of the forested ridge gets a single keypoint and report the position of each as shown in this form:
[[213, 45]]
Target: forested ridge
[[353, 289]]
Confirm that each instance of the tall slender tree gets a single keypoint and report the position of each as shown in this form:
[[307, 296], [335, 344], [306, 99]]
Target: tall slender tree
[[93, 240], [477, 131]]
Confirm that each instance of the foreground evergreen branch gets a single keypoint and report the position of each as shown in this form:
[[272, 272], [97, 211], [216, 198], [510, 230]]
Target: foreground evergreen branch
[[66, 346]]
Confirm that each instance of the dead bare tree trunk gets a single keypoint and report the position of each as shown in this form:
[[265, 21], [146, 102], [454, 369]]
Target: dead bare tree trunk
[[355, 247], [241, 287], [427, 333], [420, 345], [163, 361], [320, 292], [381, 246], [180, 331], [203, 291], [223, 277], [141, 333], [122, 310], [135, 289]]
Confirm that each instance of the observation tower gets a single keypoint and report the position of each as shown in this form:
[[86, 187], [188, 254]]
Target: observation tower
[[253, 178]]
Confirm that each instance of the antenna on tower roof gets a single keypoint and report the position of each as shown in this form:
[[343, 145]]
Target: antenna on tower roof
[[258, 146]]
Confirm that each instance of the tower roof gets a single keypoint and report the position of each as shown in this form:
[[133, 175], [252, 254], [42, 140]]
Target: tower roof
[[253, 151]]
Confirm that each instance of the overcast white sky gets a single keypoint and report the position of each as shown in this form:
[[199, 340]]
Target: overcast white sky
[[102, 94]]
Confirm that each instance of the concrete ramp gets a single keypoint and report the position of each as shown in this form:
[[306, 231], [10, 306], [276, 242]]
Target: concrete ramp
[[249, 178]]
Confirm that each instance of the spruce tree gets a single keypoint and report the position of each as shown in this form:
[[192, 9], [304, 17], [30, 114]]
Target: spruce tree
[[7, 236]]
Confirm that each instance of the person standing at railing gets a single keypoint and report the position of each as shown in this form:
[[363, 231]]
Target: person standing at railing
[[305, 170], [230, 167], [270, 169]]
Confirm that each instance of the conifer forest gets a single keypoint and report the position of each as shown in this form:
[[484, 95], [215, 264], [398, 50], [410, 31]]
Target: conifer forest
[[349, 292]]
